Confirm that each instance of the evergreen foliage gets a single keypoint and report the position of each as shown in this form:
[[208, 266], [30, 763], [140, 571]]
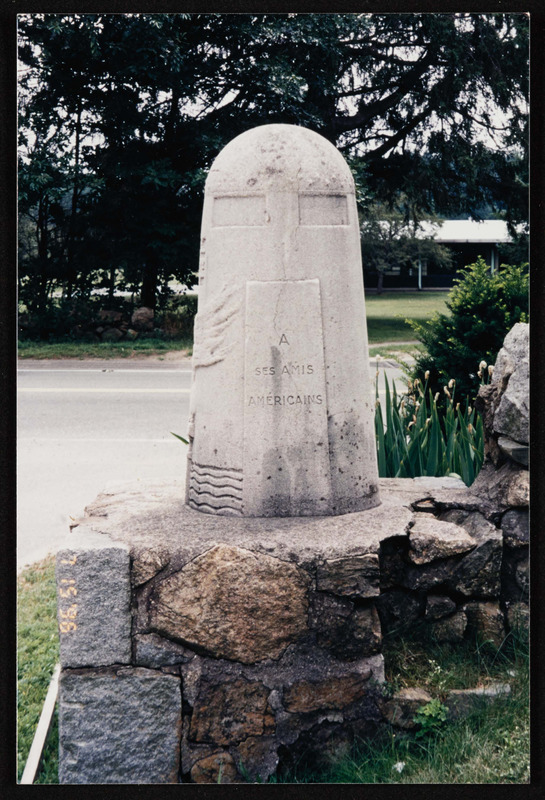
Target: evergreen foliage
[[483, 309], [122, 114]]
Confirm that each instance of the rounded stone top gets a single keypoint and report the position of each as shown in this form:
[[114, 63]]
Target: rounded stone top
[[279, 158]]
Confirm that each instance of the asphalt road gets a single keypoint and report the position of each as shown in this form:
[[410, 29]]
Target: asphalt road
[[83, 425]]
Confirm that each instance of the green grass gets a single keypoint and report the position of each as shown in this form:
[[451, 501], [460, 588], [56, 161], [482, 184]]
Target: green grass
[[440, 667], [491, 745], [386, 316], [386, 313], [103, 350], [394, 351], [37, 654]]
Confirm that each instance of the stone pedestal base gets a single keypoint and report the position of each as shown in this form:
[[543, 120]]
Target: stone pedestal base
[[197, 648]]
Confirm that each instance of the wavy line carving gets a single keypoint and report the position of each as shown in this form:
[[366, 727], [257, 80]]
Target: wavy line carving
[[217, 472], [223, 511], [216, 501], [215, 490]]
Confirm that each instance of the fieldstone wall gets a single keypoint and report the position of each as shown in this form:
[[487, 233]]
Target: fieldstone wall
[[213, 649], [464, 567], [254, 637], [504, 480]]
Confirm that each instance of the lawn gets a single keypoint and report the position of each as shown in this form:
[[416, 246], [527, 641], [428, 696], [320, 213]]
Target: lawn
[[37, 654], [490, 746], [386, 313], [104, 350], [386, 316]]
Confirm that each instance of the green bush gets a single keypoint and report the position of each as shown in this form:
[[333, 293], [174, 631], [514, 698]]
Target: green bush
[[483, 309], [65, 320], [416, 436], [430, 718], [178, 316]]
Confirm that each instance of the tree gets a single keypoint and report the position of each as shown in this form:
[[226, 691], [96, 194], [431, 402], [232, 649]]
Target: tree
[[97, 78], [390, 241], [136, 106], [412, 99]]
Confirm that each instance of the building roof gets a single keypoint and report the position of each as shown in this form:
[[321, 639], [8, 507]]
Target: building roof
[[466, 231]]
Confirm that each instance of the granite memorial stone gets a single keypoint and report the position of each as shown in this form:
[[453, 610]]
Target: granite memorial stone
[[281, 411]]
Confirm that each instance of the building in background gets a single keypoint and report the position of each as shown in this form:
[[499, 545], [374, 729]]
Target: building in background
[[467, 239]]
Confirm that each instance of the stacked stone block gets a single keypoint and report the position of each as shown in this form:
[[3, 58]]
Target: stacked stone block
[[118, 723], [464, 567], [237, 650], [231, 648]]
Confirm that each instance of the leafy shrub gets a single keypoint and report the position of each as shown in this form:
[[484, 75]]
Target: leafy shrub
[[179, 316], [483, 309], [416, 436], [430, 718], [63, 319]]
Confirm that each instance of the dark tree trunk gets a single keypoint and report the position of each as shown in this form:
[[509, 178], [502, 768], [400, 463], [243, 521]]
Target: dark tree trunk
[[380, 283], [42, 236], [149, 283], [71, 271]]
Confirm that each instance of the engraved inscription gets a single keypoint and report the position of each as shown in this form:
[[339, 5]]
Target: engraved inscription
[[285, 400], [286, 466], [323, 209], [228, 212], [291, 369], [287, 369]]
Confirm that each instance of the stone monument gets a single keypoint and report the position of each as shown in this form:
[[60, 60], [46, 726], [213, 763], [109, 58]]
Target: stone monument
[[227, 646], [281, 421]]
